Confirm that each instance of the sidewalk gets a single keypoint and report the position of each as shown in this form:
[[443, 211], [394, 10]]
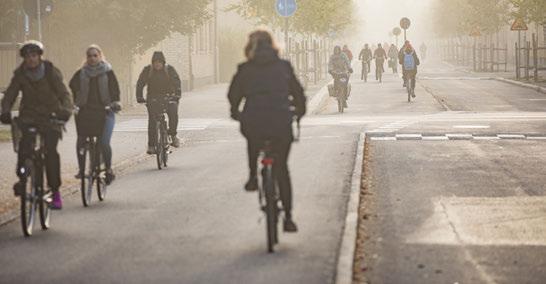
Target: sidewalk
[[128, 147], [507, 77]]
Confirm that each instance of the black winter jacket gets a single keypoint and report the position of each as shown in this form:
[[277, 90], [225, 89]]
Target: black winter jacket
[[272, 93], [41, 98], [113, 88], [174, 88]]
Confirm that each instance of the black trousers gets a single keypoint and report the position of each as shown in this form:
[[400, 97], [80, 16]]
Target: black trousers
[[154, 109], [281, 148], [52, 158]]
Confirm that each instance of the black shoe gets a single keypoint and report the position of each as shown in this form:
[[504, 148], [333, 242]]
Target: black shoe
[[151, 150], [252, 184], [78, 176], [289, 226], [175, 141], [18, 188], [109, 177]]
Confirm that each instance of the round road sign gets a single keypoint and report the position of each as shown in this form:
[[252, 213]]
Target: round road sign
[[396, 31], [405, 23]]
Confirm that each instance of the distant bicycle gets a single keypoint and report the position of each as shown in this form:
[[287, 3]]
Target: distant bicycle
[[365, 70], [163, 140], [341, 89], [96, 172], [410, 87], [268, 193], [379, 70], [35, 197]]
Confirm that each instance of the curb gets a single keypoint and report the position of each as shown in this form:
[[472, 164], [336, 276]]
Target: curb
[[318, 99], [521, 84], [345, 261]]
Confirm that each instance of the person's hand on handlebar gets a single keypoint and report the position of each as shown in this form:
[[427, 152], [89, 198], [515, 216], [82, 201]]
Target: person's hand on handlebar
[[235, 115], [61, 114], [5, 118], [115, 107]]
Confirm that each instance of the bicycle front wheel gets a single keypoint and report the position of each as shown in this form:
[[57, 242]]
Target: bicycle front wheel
[[271, 208], [87, 175], [29, 200], [45, 212], [159, 147], [101, 179]]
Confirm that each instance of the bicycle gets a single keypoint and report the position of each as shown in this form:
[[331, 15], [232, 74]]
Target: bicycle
[[268, 193], [96, 174], [163, 140], [341, 89], [34, 197], [365, 70], [410, 83], [379, 69]]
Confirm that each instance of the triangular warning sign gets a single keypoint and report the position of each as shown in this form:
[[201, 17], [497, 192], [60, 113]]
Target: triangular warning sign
[[475, 32], [519, 25]]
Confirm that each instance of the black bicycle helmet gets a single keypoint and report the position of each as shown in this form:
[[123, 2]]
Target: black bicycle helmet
[[30, 47]]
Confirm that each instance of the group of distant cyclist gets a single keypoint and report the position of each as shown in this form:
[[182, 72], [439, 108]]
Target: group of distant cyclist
[[406, 57]]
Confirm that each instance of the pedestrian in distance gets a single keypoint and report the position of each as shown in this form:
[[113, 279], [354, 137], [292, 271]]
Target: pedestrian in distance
[[96, 94], [45, 100], [273, 97], [163, 84]]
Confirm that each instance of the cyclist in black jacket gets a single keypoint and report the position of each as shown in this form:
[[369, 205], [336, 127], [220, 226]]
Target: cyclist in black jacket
[[273, 96], [162, 80], [44, 97]]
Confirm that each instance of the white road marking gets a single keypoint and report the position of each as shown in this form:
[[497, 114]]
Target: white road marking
[[511, 136], [471, 126]]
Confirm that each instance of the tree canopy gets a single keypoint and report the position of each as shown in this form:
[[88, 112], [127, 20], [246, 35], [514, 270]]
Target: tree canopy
[[312, 17]]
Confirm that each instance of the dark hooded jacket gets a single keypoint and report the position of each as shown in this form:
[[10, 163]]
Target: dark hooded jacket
[[161, 82], [40, 98], [272, 93]]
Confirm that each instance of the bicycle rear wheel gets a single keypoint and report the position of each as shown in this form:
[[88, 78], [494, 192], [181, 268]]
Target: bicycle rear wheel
[[28, 200], [271, 208]]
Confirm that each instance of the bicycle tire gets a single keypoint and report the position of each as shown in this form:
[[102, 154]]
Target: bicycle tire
[[408, 89], [159, 147], [102, 188], [45, 210], [87, 178], [165, 142], [28, 201], [271, 209]]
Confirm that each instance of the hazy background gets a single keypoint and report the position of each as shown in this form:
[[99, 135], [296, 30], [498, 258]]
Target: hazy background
[[377, 18]]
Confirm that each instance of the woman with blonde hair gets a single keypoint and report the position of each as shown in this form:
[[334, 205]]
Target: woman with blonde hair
[[273, 97], [96, 95]]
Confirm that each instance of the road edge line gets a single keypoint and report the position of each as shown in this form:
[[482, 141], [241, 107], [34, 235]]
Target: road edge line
[[345, 261], [521, 84], [318, 99]]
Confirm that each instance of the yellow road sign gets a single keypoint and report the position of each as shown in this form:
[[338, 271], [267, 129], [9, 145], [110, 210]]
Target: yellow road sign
[[519, 25], [475, 32]]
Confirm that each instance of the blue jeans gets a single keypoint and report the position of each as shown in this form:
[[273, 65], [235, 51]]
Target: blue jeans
[[106, 137]]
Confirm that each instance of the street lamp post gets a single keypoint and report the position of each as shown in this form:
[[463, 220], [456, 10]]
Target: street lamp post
[[39, 19]]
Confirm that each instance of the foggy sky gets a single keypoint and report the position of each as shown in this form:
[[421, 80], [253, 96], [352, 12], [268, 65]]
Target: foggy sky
[[378, 17]]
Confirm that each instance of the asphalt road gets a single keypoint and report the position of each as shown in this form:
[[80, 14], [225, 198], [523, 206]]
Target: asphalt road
[[192, 223]]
